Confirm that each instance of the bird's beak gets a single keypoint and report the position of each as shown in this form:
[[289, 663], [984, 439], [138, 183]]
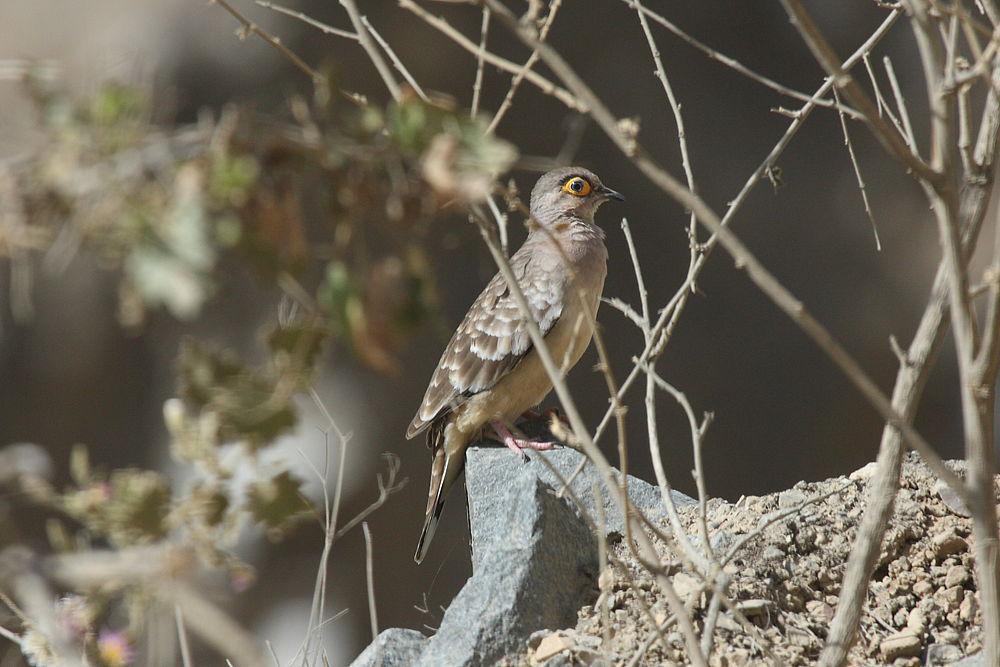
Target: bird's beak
[[608, 193]]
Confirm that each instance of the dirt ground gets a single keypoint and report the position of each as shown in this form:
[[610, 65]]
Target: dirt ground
[[922, 604]]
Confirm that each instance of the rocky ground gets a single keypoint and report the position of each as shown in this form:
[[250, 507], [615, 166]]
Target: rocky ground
[[922, 607]]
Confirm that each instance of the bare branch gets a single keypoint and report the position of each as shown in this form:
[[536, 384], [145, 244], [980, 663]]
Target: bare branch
[[825, 55], [736, 65], [461, 40], [857, 174], [370, 578], [371, 49], [480, 56], [508, 99], [397, 63], [248, 27], [308, 20]]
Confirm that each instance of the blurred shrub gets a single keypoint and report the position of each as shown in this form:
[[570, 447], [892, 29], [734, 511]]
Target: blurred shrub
[[330, 207]]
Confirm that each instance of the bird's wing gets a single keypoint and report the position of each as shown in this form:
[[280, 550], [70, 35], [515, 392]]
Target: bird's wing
[[492, 338]]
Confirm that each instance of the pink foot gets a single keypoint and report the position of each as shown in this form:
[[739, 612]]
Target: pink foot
[[518, 445]]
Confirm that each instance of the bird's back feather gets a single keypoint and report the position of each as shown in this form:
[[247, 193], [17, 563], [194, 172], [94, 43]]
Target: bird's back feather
[[493, 337]]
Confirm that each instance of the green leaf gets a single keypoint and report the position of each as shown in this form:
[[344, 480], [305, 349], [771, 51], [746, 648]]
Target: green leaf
[[249, 403], [277, 502]]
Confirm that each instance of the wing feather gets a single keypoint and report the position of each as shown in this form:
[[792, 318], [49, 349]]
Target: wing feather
[[493, 337]]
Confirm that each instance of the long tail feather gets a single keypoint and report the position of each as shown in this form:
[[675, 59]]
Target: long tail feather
[[445, 469]]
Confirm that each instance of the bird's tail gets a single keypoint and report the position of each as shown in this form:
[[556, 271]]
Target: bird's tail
[[445, 469]]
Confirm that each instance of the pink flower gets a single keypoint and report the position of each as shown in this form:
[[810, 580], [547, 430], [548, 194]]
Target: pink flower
[[114, 648]]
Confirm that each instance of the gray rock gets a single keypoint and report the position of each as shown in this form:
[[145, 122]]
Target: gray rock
[[537, 576], [534, 559], [941, 655], [488, 471], [395, 647], [976, 660]]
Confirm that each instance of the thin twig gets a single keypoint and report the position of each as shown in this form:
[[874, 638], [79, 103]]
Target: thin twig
[[365, 39], [508, 99], [182, 636], [670, 314], [308, 20], [249, 27], [477, 86], [397, 63], [857, 174], [370, 578], [675, 107], [904, 113], [734, 64], [461, 40], [826, 56]]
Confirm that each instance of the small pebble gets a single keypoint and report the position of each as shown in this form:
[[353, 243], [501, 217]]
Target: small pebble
[[967, 610], [957, 576], [939, 655], [951, 499], [550, 646], [900, 645], [948, 543], [949, 598]]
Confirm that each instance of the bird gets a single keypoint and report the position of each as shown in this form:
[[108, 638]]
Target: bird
[[490, 373]]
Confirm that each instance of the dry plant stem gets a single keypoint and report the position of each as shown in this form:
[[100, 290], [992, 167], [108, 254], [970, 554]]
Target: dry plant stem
[[396, 62], [697, 431], [977, 379], [602, 558], [736, 65], [675, 108], [711, 618], [824, 53], [10, 636], [581, 432], [883, 104], [910, 381], [697, 558], [670, 314], [857, 174], [653, 636], [329, 527], [370, 579], [477, 86], [249, 27], [461, 40], [508, 99], [666, 492], [761, 277], [216, 628], [308, 20], [182, 636], [904, 114], [365, 39]]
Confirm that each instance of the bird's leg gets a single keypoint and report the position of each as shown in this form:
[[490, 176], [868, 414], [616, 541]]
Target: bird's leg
[[518, 445]]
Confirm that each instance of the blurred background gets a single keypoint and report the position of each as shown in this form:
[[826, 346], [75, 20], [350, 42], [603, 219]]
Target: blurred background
[[71, 373]]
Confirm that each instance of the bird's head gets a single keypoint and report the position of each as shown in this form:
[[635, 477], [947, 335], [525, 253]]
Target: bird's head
[[569, 192]]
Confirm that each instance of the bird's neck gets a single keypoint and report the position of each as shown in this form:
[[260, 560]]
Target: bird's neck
[[571, 228]]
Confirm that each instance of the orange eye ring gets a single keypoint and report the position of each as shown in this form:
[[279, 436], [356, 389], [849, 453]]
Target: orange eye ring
[[577, 186]]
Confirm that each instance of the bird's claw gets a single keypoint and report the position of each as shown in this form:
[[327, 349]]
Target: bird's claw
[[518, 445]]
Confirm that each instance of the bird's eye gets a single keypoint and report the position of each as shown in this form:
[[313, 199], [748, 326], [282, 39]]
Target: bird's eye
[[577, 186]]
